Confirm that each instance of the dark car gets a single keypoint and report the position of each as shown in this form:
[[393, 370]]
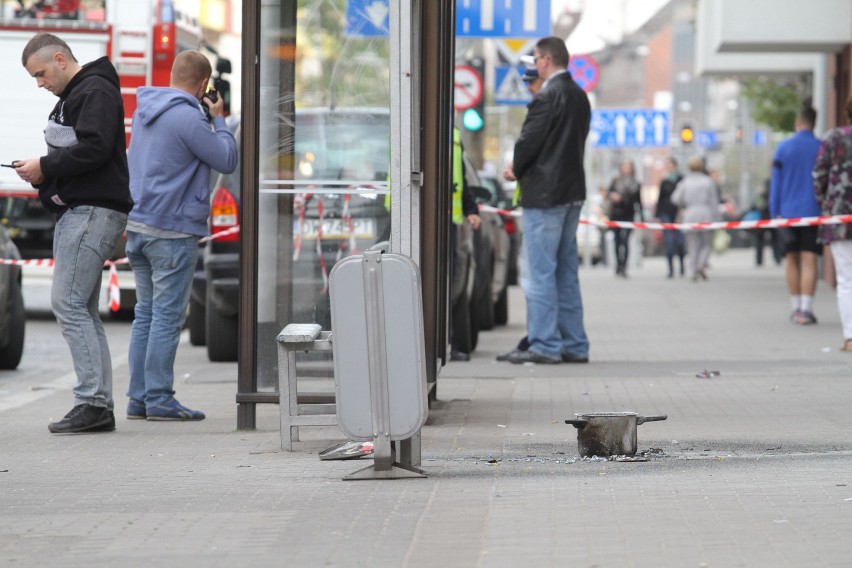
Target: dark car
[[341, 159], [12, 316]]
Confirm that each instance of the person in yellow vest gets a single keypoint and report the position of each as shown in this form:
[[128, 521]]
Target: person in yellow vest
[[464, 209]]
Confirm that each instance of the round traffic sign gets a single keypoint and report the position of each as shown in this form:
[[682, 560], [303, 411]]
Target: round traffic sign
[[468, 87], [585, 72]]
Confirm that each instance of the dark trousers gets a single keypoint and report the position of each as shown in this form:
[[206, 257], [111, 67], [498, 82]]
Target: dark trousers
[[760, 239], [674, 243], [622, 249]]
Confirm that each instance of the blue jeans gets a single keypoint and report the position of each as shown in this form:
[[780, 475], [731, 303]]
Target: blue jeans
[[674, 243], [84, 239], [163, 270], [554, 305]]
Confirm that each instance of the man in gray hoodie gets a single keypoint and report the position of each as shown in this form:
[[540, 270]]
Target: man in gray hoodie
[[172, 151]]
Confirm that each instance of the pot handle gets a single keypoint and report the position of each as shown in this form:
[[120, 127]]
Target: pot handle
[[578, 424], [643, 419]]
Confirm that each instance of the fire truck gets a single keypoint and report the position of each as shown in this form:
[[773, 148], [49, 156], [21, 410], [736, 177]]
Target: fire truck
[[141, 39]]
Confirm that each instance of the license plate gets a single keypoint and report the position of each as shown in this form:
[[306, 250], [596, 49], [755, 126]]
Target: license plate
[[337, 229]]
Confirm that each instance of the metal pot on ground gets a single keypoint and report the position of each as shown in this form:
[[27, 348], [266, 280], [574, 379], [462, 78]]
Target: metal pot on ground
[[608, 433]]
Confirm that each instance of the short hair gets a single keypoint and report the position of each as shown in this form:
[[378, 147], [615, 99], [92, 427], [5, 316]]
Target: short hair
[[807, 114], [555, 48], [696, 164], [672, 160], [41, 41], [189, 68]]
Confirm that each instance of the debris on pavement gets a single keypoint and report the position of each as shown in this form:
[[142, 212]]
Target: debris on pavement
[[705, 374]]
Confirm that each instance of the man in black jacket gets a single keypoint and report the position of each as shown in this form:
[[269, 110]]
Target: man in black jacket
[[83, 179], [548, 163]]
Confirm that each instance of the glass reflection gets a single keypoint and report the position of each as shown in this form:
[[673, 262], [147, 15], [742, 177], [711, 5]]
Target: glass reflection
[[324, 160]]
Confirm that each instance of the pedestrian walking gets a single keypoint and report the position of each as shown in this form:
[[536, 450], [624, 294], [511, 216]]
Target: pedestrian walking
[[667, 212], [625, 205], [83, 180], [699, 197], [171, 155], [791, 195], [548, 162], [832, 178]]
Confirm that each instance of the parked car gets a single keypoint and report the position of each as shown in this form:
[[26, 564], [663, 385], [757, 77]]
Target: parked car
[[493, 256], [12, 316], [327, 226]]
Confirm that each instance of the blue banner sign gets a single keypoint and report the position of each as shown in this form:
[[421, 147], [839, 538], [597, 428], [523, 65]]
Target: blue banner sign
[[503, 18], [635, 127]]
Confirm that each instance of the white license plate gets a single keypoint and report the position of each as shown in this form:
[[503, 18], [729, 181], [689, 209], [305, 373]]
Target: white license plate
[[337, 229]]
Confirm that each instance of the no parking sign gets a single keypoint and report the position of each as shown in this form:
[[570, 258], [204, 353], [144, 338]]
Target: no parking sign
[[585, 72]]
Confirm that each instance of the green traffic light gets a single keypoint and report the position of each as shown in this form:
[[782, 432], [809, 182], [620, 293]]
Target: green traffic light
[[472, 120]]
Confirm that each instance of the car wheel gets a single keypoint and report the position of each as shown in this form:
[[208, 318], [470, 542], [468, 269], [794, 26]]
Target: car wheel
[[501, 308], [10, 354], [482, 303], [197, 321], [462, 328], [474, 329], [221, 332]]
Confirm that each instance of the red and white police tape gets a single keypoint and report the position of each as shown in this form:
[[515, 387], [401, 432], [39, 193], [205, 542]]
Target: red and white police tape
[[114, 290], [759, 224], [113, 286]]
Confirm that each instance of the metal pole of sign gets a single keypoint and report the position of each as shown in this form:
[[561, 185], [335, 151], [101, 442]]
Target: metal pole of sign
[[406, 173], [384, 466]]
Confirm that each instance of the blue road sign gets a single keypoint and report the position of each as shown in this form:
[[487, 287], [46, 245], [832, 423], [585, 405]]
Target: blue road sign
[[760, 138], [585, 72], [503, 19], [510, 87], [636, 127], [367, 18], [708, 139]]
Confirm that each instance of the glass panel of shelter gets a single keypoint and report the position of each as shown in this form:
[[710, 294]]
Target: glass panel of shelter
[[323, 165]]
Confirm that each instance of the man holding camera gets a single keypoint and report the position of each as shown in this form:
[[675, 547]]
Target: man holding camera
[[172, 150]]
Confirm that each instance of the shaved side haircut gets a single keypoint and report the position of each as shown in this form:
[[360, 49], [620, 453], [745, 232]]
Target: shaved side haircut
[[42, 41]]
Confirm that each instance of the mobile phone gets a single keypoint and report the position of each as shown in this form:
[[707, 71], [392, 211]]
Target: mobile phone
[[12, 165]]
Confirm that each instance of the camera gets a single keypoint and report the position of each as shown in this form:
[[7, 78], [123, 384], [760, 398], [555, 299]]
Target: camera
[[213, 95]]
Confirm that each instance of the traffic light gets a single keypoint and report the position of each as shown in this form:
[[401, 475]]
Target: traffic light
[[473, 119], [687, 134]]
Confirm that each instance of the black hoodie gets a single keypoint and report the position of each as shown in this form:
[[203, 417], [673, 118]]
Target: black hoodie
[[86, 162]]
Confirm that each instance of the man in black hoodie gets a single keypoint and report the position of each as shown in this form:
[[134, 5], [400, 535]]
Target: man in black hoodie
[[82, 179]]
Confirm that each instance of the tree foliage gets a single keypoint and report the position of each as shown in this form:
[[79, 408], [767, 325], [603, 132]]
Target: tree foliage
[[773, 104]]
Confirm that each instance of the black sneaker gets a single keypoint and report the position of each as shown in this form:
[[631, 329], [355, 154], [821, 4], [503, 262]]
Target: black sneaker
[[506, 356], [520, 357], [568, 358], [84, 418], [108, 427]]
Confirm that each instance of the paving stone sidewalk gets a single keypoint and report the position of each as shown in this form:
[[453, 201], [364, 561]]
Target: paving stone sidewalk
[[752, 468]]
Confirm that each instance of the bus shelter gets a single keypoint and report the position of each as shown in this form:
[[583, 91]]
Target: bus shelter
[[346, 142]]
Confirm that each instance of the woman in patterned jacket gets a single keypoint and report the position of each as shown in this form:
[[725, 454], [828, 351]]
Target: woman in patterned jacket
[[833, 186]]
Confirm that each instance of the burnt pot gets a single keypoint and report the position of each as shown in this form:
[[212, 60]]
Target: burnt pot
[[608, 433]]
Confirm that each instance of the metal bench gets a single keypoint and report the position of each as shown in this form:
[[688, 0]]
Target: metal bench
[[316, 410]]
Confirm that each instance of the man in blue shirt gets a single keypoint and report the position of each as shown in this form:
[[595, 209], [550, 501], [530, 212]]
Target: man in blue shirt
[[171, 154], [791, 195]]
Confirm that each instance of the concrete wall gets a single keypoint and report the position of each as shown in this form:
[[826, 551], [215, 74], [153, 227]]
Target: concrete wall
[[782, 25]]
